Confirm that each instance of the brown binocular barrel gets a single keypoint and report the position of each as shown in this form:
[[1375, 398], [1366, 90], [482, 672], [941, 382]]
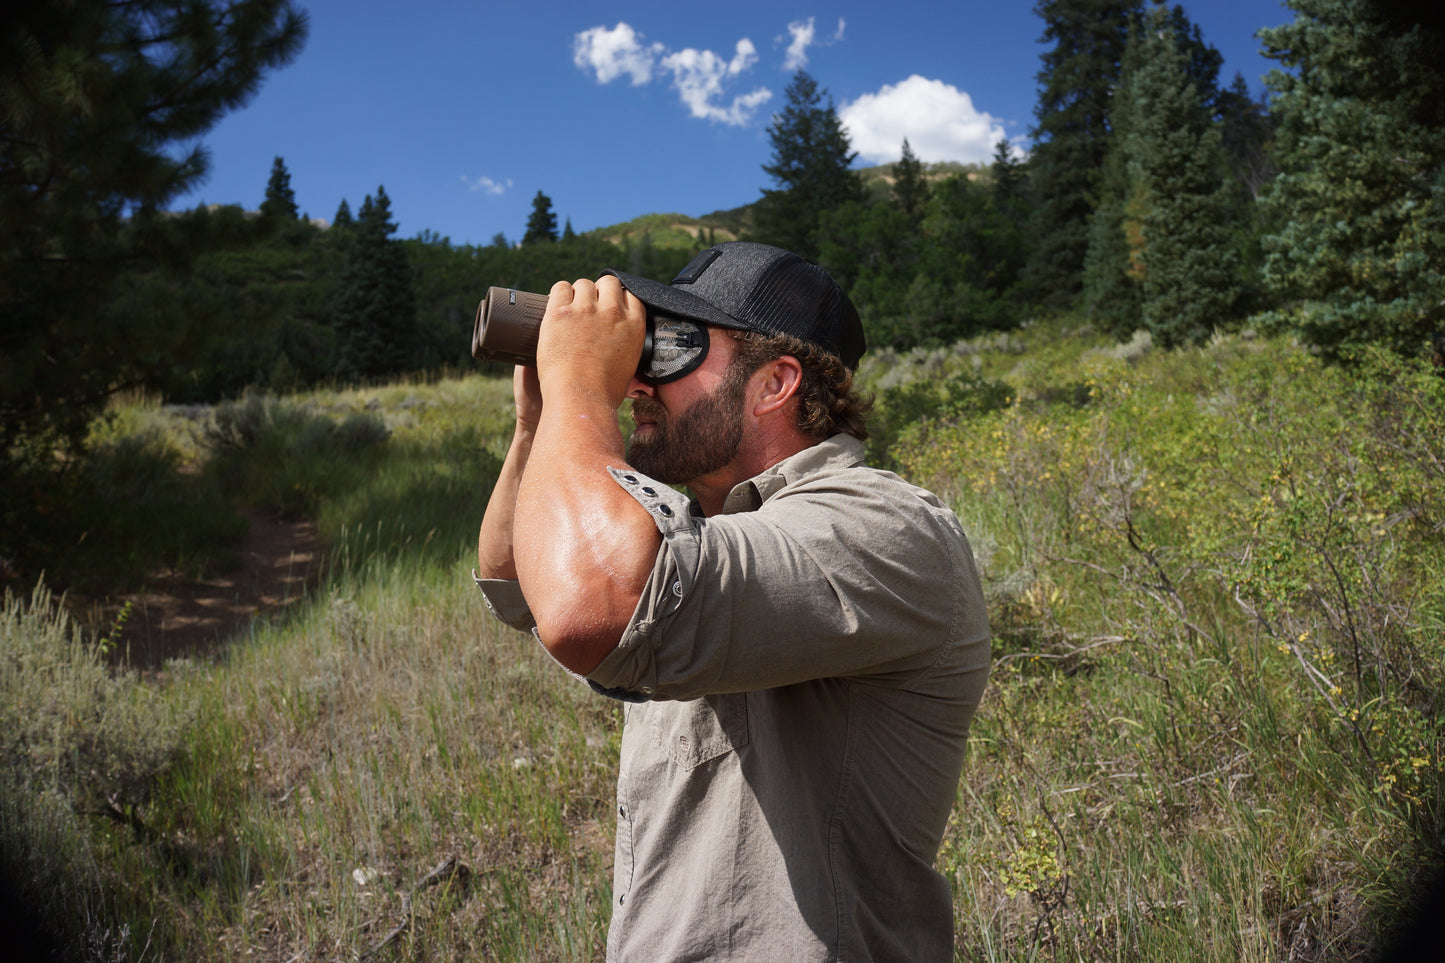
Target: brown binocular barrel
[[507, 326]]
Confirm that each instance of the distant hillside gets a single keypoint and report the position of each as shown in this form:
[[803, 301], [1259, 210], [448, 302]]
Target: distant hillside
[[671, 231], [674, 231]]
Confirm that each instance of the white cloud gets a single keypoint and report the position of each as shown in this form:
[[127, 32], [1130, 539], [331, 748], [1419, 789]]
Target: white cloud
[[611, 53], [802, 33], [938, 119], [486, 185], [699, 76]]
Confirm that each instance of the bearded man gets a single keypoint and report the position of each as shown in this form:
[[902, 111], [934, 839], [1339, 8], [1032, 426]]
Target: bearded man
[[800, 646]]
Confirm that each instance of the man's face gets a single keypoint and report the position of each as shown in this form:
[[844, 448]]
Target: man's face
[[695, 433]]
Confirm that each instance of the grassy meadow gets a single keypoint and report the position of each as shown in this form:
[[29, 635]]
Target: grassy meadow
[[1212, 730]]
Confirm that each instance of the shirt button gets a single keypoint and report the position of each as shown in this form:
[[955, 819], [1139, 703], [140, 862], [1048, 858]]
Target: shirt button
[[648, 490], [665, 510], [630, 479]]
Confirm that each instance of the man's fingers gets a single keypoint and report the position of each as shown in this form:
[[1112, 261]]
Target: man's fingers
[[611, 292], [562, 293]]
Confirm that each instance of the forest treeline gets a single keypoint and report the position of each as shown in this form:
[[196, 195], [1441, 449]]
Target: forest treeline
[[1155, 195]]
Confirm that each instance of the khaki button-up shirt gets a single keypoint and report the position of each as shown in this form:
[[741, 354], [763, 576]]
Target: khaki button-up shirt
[[801, 672]]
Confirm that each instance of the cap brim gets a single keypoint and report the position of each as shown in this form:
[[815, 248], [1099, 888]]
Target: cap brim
[[676, 301]]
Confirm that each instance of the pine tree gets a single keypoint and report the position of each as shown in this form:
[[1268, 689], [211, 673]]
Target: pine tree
[[343, 218], [280, 202], [567, 233], [375, 303], [812, 164], [910, 190], [1190, 262], [1357, 250], [1163, 251], [99, 102], [1247, 128], [1009, 174], [1113, 262], [1076, 86], [542, 224]]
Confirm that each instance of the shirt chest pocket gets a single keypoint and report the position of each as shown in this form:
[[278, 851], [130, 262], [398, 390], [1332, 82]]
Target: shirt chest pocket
[[700, 730]]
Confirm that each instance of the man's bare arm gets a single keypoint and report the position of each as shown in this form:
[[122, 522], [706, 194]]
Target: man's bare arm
[[495, 558], [585, 547]]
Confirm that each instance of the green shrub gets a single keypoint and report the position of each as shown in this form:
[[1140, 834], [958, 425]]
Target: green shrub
[[79, 746]]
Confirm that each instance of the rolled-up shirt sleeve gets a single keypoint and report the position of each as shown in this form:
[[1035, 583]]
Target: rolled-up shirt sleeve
[[505, 600], [835, 575]]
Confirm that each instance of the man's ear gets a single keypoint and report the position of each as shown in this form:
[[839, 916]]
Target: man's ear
[[776, 382]]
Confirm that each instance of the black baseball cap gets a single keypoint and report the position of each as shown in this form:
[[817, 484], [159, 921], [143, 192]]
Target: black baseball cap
[[748, 286]]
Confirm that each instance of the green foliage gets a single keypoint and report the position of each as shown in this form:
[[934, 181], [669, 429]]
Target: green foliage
[[1076, 83], [1354, 249], [910, 190], [668, 231], [280, 202], [935, 398], [1188, 255], [1255, 539], [375, 301], [1164, 242], [97, 98], [79, 745], [1161, 769], [343, 219], [64, 520], [273, 454], [930, 282], [542, 222], [811, 163]]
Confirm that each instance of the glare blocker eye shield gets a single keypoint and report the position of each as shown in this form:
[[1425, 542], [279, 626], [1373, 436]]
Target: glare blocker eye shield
[[674, 347]]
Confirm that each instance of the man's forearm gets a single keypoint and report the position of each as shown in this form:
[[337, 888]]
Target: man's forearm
[[495, 552]]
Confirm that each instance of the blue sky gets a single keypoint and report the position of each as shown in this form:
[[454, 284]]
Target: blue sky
[[464, 110]]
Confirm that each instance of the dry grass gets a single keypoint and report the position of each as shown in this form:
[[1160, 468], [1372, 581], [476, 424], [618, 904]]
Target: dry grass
[[387, 773]]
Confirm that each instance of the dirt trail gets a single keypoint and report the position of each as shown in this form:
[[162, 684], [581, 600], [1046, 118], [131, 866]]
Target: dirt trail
[[173, 617]]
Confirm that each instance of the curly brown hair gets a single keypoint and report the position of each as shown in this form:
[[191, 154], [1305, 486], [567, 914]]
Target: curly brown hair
[[827, 401]]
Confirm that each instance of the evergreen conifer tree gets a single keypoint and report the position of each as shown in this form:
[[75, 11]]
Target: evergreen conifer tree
[[1010, 175], [280, 202], [910, 190], [1076, 86], [1190, 259], [343, 218], [1357, 248], [567, 233], [542, 224], [1163, 240], [812, 166], [375, 303], [99, 101]]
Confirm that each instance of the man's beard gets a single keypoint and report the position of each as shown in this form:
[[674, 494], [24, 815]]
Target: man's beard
[[696, 442]]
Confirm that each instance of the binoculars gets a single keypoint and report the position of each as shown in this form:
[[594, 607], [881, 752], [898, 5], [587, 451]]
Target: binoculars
[[508, 322]]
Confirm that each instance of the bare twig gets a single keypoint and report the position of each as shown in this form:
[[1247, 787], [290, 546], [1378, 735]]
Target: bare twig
[[447, 870]]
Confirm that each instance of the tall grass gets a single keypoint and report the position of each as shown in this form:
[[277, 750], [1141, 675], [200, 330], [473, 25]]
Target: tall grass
[[1211, 732]]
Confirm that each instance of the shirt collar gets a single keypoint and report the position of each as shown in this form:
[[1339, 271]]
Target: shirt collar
[[839, 451]]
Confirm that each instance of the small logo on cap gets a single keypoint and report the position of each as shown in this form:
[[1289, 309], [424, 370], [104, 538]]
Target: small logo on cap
[[696, 266]]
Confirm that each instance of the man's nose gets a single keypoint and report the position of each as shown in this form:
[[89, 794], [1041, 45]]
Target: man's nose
[[637, 388]]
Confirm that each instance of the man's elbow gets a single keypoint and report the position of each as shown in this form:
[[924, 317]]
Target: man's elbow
[[580, 644]]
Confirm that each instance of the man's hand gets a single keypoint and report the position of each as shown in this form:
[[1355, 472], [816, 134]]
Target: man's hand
[[591, 340]]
